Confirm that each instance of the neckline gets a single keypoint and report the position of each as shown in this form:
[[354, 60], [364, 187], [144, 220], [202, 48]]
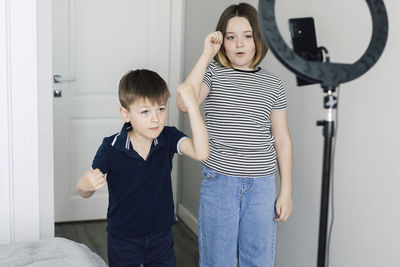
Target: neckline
[[249, 71]]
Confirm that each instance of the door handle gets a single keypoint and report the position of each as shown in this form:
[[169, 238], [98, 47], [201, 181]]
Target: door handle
[[59, 79]]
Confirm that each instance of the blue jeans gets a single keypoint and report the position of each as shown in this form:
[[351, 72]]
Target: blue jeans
[[154, 250], [236, 220]]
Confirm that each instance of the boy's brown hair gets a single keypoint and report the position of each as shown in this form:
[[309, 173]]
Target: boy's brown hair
[[142, 83], [250, 13]]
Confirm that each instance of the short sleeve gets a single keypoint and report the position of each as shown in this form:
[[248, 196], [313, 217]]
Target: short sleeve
[[100, 160], [280, 102], [173, 137], [208, 75]]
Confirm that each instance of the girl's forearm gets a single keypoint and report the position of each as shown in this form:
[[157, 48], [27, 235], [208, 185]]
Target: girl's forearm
[[285, 162]]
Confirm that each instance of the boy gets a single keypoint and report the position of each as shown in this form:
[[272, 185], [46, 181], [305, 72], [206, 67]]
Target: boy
[[137, 164]]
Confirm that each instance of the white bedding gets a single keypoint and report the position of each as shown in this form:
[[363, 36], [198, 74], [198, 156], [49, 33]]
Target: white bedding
[[55, 252]]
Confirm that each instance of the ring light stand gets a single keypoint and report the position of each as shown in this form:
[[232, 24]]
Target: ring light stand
[[329, 75]]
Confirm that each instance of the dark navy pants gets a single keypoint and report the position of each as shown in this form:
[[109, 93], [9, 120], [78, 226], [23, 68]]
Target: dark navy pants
[[154, 250]]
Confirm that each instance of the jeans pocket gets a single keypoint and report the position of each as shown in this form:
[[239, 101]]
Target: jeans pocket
[[208, 174]]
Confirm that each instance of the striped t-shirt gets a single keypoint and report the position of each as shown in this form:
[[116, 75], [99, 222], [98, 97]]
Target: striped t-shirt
[[238, 111]]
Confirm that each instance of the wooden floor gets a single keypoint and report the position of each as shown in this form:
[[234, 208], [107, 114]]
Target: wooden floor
[[93, 235]]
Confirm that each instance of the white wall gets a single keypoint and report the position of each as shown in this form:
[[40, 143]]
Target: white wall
[[26, 189], [45, 119], [366, 181]]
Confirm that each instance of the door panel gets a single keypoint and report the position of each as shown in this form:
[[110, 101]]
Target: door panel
[[94, 44]]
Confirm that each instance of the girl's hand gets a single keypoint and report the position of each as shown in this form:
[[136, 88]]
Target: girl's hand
[[284, 208], [212, 44], [186, 92]]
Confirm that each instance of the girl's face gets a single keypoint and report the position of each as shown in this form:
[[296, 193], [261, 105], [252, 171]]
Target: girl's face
[[239, 43]]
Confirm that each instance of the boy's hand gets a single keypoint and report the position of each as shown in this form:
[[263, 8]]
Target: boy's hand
[[91, 181], [186, 92], [284, 208], [196, 147], [212, 44]]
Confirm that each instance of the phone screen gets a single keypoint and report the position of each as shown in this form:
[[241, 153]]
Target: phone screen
[[304, 42]]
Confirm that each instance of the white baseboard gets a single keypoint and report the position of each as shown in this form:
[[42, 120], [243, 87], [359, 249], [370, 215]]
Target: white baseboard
[[188, 218]]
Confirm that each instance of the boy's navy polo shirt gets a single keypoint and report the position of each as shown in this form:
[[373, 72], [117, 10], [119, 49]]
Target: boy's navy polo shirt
[[140, 200]]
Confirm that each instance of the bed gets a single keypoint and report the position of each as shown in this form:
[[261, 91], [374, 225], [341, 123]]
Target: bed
[[54, 252]]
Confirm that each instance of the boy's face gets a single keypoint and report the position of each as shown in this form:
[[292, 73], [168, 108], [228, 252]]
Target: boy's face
[[147, 118]]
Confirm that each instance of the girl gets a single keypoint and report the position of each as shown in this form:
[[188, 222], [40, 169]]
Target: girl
[[249, 139]]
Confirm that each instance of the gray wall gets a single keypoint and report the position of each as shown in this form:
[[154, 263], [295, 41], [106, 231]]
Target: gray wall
[[366, 181]]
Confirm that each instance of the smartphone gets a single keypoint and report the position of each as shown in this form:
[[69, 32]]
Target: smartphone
[[304, 40]]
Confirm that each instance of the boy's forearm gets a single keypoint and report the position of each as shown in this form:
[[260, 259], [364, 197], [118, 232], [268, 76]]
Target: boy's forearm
[[195, 78], [81, 191], [85, 194], [199, 134], [180, 104]]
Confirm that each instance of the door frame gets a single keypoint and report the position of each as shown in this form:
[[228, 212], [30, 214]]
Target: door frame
[[174, 76], [28, 205]]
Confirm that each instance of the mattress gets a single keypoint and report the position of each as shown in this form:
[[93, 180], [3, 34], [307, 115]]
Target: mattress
[[54, 252]]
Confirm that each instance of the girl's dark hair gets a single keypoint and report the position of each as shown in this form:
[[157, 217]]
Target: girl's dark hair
[[250, 13], [142, 83]]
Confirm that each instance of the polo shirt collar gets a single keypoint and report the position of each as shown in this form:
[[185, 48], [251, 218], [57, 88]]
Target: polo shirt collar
[[122, 142]]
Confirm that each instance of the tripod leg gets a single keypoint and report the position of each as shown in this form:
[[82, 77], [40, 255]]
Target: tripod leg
[[326, 171]]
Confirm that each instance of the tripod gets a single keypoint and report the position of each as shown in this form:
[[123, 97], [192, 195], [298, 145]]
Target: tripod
[[330, 75], [330, 103]]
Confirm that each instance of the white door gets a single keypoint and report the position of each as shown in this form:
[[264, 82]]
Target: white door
[[94, 43]]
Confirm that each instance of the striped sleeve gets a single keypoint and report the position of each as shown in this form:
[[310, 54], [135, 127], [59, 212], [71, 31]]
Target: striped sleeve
[[208, 75], [280, 102]]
